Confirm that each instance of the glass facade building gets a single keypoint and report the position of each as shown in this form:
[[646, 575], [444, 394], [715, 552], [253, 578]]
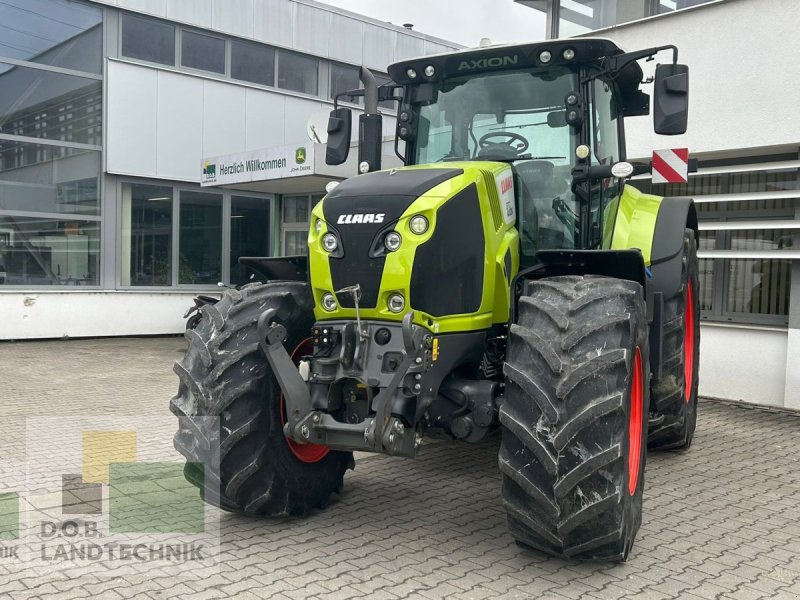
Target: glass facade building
[[51, 140], [82, 207]]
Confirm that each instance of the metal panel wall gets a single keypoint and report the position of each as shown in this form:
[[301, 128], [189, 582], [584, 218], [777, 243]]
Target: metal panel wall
[[153, 7], [264, 127], [312, 28], [179, 119], [272, 22], [379, 47], [194, 12], [233, 16], [346, 39], [409, 47], [162, 123], [131, 121], [224, 118]]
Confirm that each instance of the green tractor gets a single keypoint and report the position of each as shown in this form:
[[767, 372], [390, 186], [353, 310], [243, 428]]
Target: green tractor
[[507, 277]]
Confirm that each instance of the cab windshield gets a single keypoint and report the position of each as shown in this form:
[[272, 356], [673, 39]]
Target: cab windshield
[[514, 116], [498, 116]]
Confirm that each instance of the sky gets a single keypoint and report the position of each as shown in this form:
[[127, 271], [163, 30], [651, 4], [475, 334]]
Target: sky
[[462, 21]]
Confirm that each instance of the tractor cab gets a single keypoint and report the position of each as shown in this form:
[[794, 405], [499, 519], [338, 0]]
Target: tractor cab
[[553, 111]]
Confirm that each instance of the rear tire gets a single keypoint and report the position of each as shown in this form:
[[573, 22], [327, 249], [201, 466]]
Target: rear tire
[[675, 393], [574, 417], [249, 467]]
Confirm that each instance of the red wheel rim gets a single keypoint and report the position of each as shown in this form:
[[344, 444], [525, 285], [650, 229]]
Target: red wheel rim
[[635, 423], [307, 453], [688, 342]]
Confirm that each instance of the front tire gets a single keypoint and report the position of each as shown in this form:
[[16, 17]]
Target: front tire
[[240, 458], [675, 393], [574, 417]]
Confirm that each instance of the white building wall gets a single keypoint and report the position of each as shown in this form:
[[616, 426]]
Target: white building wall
[[52, 314], [742, 93], [741, 363], [161, 123]]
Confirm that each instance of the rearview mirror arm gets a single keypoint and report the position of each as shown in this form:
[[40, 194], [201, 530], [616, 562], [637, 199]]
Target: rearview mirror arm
[[613, 64]]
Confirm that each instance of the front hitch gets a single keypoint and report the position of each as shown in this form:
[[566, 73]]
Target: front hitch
[[381, 433]]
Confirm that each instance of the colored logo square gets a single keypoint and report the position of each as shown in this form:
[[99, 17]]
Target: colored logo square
[[101, 448], [9, 516], [78, 498], [153, 498]]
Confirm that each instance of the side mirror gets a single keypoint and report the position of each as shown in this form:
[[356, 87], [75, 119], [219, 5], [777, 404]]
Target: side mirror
[[671, 99], [340, 126]]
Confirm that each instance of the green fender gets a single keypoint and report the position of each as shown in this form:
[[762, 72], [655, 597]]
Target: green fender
[[655, 226]]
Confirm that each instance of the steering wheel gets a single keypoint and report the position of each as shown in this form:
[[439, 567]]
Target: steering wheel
[[509, 138]]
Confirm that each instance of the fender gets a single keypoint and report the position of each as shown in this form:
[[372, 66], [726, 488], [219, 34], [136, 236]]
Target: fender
[[666, 264], [674, 216], [278, 268], [622, 264]]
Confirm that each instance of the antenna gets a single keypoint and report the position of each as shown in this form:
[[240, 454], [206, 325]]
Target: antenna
[[317, 127]]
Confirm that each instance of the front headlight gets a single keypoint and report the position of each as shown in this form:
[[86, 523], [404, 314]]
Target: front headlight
[[392, 241], [329, 302], [418, 224], [329, 242], [396, 303]]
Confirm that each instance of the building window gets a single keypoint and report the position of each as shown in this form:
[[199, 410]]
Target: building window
[[59, 33], [36, 181], [200, 238], [151, 239], [747, 221], [295, 215], [759, 286], [146, 235], [43, 104], [298, 73], [249, 234], [44, 251], [204, 52], [343, 79], [148, 39], [252, 62]]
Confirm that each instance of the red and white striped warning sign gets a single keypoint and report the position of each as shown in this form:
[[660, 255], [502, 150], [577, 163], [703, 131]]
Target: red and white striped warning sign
[[671, 166]]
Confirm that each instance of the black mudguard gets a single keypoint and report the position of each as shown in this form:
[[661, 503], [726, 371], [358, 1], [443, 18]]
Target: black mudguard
[[278, 268], [622, 264], [674, 216]]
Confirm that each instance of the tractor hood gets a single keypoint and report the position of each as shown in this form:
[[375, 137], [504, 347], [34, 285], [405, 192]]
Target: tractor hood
[[440, 270], [358, 211]]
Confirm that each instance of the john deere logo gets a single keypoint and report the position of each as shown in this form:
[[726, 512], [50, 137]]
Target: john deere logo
[[209, 169], [300, 156]]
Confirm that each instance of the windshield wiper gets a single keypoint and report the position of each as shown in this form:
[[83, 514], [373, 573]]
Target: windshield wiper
[[520, 157]]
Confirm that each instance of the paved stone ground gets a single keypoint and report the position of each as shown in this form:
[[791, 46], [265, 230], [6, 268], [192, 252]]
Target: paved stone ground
[[722, 521]]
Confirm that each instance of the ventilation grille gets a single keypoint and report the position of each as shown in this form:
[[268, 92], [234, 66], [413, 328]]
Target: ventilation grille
[[494, 199]]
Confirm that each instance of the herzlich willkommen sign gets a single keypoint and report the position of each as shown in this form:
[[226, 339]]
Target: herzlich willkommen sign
[[269, 163]]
